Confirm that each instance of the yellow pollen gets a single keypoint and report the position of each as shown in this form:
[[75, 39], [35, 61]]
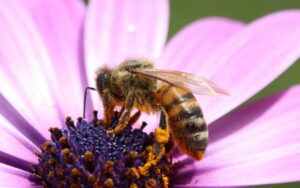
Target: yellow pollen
[[75, 172], [75, 185], [119, 128], [133, 185], [60, 172], [157, 170], [66, 166], [51, 161], [88, 155], [166, 181], [108, 167], [51, 174], [143, 170], [63, 140], [133, 154], [47, 145], [108, 183], [65, 151], [91, 178], [150, 183], [133, 173], [162, 135], [156, 152]]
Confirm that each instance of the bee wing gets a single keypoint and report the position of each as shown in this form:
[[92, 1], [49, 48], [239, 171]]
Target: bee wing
[[190, 82]]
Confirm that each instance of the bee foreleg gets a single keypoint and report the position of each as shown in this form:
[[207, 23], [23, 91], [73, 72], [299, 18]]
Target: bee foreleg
[[108, 108]]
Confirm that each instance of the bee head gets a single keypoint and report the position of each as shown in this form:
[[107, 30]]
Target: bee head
[[102, 79]]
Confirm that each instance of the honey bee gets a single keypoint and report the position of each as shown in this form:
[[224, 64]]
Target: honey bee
[[137, 84]]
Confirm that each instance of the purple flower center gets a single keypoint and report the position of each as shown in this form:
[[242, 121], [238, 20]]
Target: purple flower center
[[84, 155]]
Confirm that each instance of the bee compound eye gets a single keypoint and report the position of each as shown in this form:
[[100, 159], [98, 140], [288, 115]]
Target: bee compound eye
[[102, 81]]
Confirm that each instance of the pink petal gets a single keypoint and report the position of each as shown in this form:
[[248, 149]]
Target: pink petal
[[29, 80], [60, 25], [120, 30], [259, 145], [251, 60], [14, 178], [18, 119], [195, 43], [15, 143]]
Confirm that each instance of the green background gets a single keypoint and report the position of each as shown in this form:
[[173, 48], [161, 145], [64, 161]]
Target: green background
[[184, 12]]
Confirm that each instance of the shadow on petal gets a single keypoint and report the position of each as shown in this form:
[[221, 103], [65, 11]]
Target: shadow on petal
[[185, 176], [13, 116], [14, 162], [225, 126]]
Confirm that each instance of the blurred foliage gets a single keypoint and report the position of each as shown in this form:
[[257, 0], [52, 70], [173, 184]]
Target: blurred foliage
[[184, 12]]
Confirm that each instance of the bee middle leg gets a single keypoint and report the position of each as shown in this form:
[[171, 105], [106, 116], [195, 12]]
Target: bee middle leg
[[124, 120], [133, 119]]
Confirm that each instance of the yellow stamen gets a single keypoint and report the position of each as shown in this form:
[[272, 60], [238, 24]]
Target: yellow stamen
[[133, 185], [108, 183]]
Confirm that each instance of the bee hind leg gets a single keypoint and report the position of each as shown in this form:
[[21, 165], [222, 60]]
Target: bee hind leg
[[162, 134], [163, 122], [160, 147], [165, 135]]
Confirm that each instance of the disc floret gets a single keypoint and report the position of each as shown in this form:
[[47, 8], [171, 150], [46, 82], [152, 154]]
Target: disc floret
[[84, 155]]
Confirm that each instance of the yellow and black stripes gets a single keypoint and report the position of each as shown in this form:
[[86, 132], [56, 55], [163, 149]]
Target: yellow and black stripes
[[185, 119], [185, 113], [178, 100]]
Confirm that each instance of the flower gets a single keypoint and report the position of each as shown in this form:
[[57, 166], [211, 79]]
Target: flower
[[50, 49]]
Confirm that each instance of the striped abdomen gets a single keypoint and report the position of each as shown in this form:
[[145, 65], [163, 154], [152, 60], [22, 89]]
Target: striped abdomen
[[185, 119]]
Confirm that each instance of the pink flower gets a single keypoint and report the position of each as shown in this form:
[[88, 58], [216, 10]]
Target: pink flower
[[50, 50]]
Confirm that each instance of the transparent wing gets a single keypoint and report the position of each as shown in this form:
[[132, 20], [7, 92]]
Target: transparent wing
[[190, 82]]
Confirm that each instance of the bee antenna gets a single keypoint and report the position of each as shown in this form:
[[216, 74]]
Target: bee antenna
[[84, 100]]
